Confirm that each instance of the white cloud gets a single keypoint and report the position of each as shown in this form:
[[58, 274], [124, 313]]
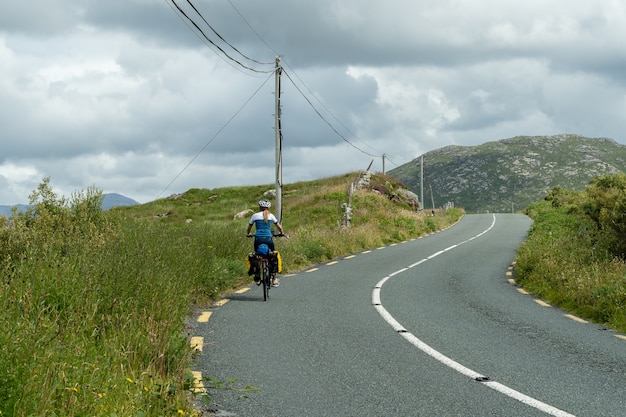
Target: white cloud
[[123, 96]]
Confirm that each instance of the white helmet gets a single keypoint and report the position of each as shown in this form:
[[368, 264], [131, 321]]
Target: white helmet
[[265, 203]]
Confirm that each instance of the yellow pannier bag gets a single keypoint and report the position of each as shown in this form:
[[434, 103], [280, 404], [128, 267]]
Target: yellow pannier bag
[[276, 262], [252, 264]]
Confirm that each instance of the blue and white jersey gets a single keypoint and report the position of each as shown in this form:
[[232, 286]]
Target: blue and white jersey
[[263, 229]]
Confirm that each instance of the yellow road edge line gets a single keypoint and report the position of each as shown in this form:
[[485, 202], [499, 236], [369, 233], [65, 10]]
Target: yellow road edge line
[[521, 290], [511, 281], [312, 270], [221, 302], [578, 319], [204, 317], [198, 385], [542, 303], [382, 247], [367, 251], [332, 263], [509, 273], [197, 343], [243, 290], [350, 257], [620, 336]]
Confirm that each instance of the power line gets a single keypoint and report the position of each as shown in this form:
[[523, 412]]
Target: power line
[[330, 112], [190, 21], [204, 35], [224, 40], [251, 28], [215, 135], [227, 61], [306, 87], [327, 122]]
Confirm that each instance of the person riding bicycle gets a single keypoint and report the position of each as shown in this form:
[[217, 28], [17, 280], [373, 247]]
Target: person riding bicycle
[[262, 221]]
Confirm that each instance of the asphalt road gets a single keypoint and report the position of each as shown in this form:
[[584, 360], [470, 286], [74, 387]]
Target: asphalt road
[[429, 327]]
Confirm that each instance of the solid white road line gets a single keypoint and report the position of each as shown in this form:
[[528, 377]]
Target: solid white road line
[[523, 398]]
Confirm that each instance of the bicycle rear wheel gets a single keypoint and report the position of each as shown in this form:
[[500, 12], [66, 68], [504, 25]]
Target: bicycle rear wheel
[[266, 280]]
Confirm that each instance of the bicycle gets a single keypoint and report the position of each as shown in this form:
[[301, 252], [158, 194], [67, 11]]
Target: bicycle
[[266, 275]]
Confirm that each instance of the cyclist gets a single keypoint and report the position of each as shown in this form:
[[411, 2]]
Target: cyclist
[[262, 221]]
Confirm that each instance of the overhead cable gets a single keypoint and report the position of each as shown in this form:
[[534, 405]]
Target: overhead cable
[[215, 135], [326, 121], [301, 82], [327, 109], [224, 40], [181, 11], [251, 28]]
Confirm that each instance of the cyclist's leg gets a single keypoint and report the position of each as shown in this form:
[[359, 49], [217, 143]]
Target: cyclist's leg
[[275, 282]]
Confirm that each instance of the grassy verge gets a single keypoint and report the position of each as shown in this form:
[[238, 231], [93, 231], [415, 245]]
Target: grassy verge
[[569, 261], [96, 305]]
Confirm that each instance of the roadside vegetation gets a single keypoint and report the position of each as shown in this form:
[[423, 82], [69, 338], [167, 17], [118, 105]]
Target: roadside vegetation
[[575, 256], [98, 307]]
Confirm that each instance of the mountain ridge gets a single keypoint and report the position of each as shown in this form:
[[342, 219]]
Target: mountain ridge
[[510, 174], [109, 201]]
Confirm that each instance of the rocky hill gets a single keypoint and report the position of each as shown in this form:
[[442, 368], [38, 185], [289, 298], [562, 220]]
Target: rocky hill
[[511, 173]]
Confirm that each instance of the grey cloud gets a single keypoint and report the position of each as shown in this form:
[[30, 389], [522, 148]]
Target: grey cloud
[[121, 94]]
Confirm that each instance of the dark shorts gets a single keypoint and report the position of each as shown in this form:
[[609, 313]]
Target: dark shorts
[[259, 240]]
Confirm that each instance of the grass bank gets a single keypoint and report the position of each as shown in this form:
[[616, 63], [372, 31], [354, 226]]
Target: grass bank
[[573, 259], [96, 305]]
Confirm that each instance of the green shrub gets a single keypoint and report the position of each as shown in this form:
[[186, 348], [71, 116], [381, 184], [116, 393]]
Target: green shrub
[[571, 259]]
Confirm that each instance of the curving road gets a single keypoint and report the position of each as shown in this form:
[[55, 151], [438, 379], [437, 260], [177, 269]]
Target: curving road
[[429, 327]]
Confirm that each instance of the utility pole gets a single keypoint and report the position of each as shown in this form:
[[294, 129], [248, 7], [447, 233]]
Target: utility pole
[[279, 145], [422, 182], [384, 164], [432, 199]]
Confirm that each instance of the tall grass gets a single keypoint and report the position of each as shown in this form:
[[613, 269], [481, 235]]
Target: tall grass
[[98, 306], [568, 261]]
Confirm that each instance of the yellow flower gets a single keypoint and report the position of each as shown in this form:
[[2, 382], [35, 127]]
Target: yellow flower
[[130, 380], [75, 389], [181, 412]]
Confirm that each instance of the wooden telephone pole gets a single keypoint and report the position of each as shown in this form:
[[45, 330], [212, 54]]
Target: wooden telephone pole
[[422, 182], [279, 145]]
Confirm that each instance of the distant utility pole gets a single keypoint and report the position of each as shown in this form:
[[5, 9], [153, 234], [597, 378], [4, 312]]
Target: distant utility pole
[[422, 182], [384, 164], [279, 145], [432, 199]]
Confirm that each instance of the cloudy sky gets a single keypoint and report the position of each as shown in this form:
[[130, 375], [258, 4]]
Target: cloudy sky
[[130, 97]]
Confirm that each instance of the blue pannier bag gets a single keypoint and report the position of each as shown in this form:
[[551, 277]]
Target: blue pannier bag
[[263, 250]]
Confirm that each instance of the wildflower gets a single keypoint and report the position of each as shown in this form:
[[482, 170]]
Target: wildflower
[[75, 389], [130, 380], [181, 412]]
